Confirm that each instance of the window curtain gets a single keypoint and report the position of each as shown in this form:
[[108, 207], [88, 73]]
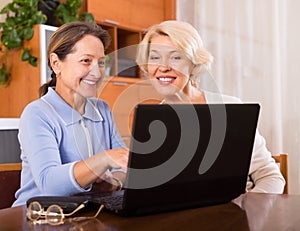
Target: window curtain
[[256, 58]]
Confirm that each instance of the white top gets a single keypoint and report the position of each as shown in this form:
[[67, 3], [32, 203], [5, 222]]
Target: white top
[[264, 173]]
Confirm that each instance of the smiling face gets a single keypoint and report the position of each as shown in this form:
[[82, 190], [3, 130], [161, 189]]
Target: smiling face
[[79, 74], [168, 68]]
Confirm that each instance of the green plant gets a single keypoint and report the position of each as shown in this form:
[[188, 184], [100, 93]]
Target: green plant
[[21, 16], [69, 11]]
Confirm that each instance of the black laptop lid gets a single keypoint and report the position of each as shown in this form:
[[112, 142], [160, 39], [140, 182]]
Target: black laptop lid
[[188, 155]]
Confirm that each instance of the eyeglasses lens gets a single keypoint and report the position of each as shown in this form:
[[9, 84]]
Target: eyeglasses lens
[[54, 215], [34, 211]]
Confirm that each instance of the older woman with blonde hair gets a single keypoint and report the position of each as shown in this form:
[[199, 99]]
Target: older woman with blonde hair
[[173, 57]]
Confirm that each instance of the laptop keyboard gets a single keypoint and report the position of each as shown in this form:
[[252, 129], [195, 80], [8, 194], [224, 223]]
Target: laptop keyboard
[[112, 202]]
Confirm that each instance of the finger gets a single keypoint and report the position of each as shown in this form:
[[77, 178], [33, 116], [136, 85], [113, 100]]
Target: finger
[[99, 180]]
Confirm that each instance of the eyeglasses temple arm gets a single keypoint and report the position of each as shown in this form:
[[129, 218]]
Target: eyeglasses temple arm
[[99, 210], [77, 209]]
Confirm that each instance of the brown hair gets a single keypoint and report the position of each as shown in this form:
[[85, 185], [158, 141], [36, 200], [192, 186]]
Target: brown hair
[[63, 40]]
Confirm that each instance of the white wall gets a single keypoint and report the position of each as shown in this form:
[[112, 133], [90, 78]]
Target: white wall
[[273, 28], [2, 4]]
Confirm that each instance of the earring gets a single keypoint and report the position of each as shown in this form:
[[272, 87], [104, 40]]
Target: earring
[[58, 75], [192, 80]]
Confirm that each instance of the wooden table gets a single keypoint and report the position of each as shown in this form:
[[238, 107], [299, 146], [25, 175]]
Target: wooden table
[[252, 211]]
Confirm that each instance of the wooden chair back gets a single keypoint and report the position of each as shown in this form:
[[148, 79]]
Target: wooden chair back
[[9, 183], [282, 160]]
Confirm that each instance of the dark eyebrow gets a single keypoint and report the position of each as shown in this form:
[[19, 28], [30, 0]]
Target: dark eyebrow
[[92, 56], [87, 55]]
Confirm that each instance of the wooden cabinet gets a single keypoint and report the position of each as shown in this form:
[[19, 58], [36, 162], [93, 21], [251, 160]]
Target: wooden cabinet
[[122, 51], [122, 95], [126, 21], [133, 14]]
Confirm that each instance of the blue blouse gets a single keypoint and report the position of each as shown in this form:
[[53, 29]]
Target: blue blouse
[[53, 137]]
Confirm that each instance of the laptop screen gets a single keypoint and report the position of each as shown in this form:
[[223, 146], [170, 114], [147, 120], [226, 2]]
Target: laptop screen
[[189, 155]]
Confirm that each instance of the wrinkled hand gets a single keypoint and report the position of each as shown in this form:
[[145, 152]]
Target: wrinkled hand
[[87, 171], [117, 158], [106, 183]]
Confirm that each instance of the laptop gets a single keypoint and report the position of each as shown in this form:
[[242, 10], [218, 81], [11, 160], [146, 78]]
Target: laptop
[[185, 156]]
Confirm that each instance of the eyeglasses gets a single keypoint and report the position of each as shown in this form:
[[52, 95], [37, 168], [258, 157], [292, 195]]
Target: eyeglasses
[[54, 214]]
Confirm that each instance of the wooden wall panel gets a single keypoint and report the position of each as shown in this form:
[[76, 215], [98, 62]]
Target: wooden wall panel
[[25, 81]]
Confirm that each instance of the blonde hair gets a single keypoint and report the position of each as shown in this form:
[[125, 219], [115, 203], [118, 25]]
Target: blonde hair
[[184, 36]]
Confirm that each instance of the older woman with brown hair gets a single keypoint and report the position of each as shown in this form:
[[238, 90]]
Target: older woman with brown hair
[[68, 138]]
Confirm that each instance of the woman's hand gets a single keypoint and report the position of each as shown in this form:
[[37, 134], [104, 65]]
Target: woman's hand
[[89, 170], [116, 158], [107, 182]]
